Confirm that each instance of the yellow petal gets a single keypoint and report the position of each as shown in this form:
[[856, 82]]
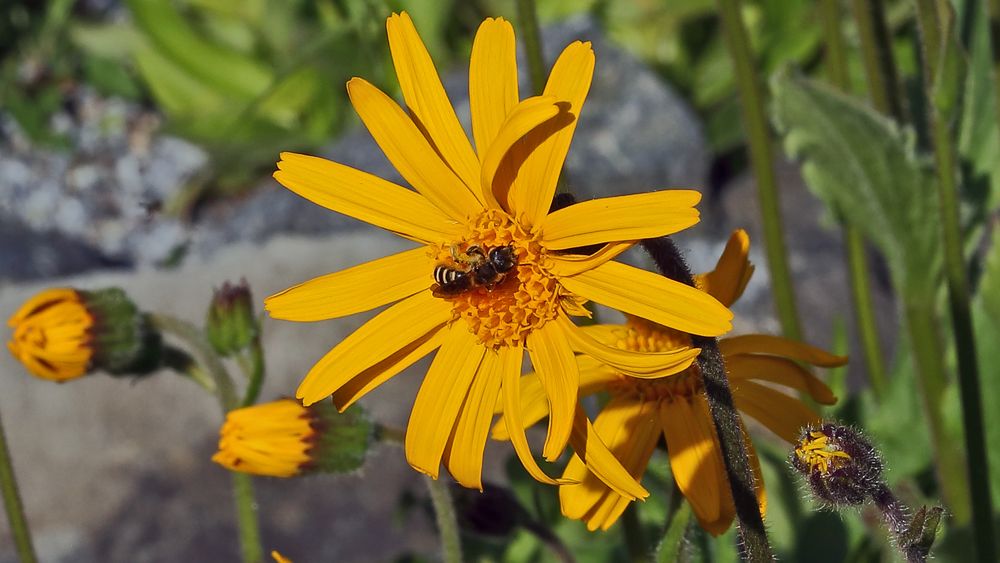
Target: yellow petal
[[780, 371], [624, 430], [369, 379], [652, 297], [594, 376], [440, 398], [427, 100], [556, 367], [492, 80], [758, 479], [366, 197], [388, 332], [410, 152], [569, 80], [626, 217], [782, 414], [579, 499], [504, 157], [693, 458], [644, 365], [732, 273], [510, 365], [464, 457], [360, 288], [561, 265], [779, 346]]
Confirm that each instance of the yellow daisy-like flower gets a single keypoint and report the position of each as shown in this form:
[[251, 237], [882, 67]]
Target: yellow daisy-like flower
[[495, 198], [52, 335], [641, 410], [272, 439]]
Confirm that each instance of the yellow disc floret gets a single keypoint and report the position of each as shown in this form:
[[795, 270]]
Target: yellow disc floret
[[816, 451], [526, 298]]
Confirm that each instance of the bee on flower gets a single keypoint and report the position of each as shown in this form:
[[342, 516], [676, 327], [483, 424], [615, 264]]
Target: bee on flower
[[492, 276]]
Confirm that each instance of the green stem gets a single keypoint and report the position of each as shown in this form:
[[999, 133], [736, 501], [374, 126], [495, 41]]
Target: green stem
[[762, 160], [451, 545], [254, 372], [995, 44], [246, 516], [527, 15], [634, 540], [864, 311], [880, 67], [673, 540], [195, 338], [390, 434], [958, 294], [12, 504], [928, 358]]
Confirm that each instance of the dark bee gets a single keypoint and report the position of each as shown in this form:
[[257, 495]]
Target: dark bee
[[475, 269]]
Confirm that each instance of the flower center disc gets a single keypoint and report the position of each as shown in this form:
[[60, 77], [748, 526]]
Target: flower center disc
[[639, 335], [526, 299]]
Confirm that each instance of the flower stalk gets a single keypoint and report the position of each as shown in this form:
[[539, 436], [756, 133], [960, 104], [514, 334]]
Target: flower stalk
[[762, 161], [528, 18], [754, 544], [444, 511], [933, 39], [12, 504], [876, 50]]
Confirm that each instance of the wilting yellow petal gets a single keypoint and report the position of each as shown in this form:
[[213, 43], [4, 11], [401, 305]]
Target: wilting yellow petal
[[732, 273], [644, 365], [369, 379], [631, 436], [653, 297], [693, 458], [388, 332], [360, 288], [780, 371], [782, 414], [779, 346], [556, 367], [426, 98], [569, 80], [625, 217], [561, 265], [464, 456], [411, 153], [492, 80], [440, 399], [366, 197]]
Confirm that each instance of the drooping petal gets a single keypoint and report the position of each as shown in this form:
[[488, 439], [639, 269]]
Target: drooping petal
[[464, 457], [388, 332], [601, 447], [643, 365], [369, 379], [732, 272], [779, 346], [492, 80], [557, 369], [440, 399], [360, 288], [625, 217], [782, 414], [366, 197], [652, 297], [510, 365], [531, 194], [693, 459], [410, 151], [780, 371], [594, 376], [427, 100], [561, 265], [577, 500]]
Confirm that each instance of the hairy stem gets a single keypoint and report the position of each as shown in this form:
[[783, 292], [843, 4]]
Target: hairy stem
[[444, 510], [527, 16], [12, 504]]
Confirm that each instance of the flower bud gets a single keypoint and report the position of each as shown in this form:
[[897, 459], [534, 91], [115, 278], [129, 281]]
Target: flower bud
[[231, 324], [61, 334], [841, 466], [285, 439]]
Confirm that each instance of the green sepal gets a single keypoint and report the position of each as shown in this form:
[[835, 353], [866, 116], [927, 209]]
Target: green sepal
[[342, 438], [124, 341], [230, 324]]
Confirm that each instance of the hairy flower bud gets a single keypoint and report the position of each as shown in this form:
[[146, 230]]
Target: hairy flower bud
[[841, 466], [61, 334], [231, 324]]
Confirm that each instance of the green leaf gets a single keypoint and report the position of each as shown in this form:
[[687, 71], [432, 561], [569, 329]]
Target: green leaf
[[986, 318], [865, 169], [978, 138]]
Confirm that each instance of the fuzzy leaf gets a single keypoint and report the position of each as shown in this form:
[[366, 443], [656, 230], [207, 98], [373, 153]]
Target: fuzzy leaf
[[866, 170]]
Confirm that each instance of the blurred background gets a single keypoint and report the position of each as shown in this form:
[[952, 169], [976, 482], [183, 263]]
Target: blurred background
[[137, 140]]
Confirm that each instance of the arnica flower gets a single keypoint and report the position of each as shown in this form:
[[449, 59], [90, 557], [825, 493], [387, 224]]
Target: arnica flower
[[285, 439], [508, 283], [63, 333], [640, 410]]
